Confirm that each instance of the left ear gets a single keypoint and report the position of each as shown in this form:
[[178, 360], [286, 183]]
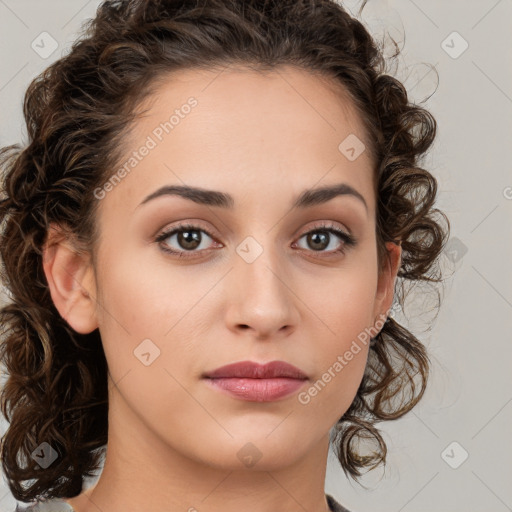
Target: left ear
[[387, 279]]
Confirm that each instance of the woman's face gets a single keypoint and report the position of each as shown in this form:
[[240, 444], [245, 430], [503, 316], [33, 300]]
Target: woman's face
[[246, 282]]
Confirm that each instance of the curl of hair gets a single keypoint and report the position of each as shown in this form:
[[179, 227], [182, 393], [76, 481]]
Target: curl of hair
[[78, 112]]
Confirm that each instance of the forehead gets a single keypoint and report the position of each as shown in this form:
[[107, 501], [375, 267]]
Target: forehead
[[233, 92], [221, 127]]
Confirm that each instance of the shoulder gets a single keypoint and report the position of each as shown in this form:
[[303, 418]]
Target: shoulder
[[334, 505], [55, 505]]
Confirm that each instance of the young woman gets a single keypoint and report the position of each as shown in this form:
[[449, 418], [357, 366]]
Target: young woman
[[219, 205]]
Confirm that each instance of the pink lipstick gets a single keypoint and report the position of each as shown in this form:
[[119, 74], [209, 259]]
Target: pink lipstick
[[255, 382]]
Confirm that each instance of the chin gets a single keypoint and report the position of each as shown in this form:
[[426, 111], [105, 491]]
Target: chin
[[260, 452]]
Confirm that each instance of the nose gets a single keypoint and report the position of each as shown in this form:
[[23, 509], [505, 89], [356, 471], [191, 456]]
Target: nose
[[262, 301]]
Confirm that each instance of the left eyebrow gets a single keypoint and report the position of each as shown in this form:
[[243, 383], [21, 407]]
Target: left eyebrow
[[306, 199], [322, 195]]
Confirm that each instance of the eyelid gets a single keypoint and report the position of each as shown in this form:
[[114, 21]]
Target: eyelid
[[326, 224], [187, 224]]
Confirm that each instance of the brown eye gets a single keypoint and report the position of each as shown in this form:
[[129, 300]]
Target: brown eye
[[188, 239], [319, 239]]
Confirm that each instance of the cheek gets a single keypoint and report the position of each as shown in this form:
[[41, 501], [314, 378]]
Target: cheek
[[134, 307], [343, 309], [150, 314], [344, 303], [340, 362]]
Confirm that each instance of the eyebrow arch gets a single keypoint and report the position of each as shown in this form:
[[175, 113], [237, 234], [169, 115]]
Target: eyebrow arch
[[307, 198]]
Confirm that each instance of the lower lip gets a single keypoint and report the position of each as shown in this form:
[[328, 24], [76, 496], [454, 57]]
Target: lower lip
[[257, 390]]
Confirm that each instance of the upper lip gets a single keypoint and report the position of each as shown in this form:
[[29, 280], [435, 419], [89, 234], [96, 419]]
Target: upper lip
[[252, 370]]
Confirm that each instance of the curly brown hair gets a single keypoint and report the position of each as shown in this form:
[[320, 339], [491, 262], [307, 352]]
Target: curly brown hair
[[77, 112]]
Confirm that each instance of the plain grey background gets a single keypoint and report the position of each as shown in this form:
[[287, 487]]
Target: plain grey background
[[452, 452]]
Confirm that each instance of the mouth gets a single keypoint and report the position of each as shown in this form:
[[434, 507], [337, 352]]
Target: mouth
[[255, 382]]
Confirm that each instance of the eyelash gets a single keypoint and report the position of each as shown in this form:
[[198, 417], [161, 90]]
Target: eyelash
[[348, 240]]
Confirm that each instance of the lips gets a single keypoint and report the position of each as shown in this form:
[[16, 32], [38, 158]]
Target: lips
[[252, 370], [256, 382]]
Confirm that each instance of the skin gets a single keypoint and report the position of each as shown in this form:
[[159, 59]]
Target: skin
[[173, 441]]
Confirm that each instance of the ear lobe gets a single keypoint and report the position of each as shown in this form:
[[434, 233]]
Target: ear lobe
[[71, 281]]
